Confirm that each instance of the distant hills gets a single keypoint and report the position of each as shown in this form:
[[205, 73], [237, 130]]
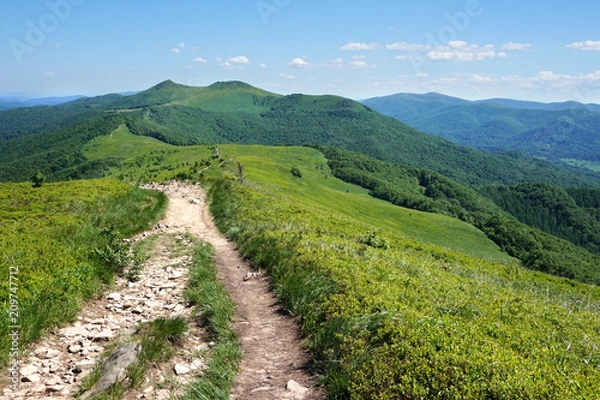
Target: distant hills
[[9, 102], [559, 132], [51, 138]]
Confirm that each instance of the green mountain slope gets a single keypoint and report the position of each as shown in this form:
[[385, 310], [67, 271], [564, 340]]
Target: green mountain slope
[[233, 112], [394, 302], [428, 191], [552, 131], [41, 120], [393, 317], [572, 214]]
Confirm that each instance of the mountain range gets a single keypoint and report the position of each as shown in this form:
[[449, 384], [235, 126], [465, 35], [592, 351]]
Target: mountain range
[[403, 263], [51, 138], [566, 132], [9, 102]]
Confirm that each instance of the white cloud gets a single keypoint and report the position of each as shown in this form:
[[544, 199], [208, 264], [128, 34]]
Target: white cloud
[[460, 51], [263, 66], [361, 64], [49, 74], [355, 46], [236, 62], [181, 45], [588, 45], [408, 57], [578, 86], [517, 46], [239, 60], [175, 50], [284, 76], [199, 60], [298, 63], [409, 47], [456, 51]]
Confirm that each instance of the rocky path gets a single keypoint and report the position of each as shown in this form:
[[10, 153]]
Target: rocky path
[[274, 364], [274, 361]]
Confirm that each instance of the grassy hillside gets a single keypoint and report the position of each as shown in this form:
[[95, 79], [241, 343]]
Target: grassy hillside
[[429, 191], [234, 112], [148, 159], [319, 189], [391, 316], [555, 132], [396, 303], [60, 243]]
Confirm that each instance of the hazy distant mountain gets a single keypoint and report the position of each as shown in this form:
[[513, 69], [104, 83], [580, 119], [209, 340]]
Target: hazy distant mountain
[[555, 131], [9, 102], [532, 105]]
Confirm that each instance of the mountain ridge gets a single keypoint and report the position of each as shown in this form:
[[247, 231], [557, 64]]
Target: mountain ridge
[[557, 132], [235, 112]]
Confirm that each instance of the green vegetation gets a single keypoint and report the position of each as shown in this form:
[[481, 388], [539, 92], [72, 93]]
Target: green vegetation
[[553, 210], [144, 159], [591, 165], [551, 131], [57, 154], [390, 317], [37, 180], [39, 120], [234, 112], [296, 172], [215, 311], [51, 240], [429, 191], [270, 167], [404, 279]]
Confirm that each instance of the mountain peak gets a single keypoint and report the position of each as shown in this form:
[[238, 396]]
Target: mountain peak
[[168, 84], [230, 85]]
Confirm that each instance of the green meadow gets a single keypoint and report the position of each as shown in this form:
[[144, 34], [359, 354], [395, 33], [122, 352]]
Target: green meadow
[[270, 168], [395, 303], [404, 305], [61, 244]]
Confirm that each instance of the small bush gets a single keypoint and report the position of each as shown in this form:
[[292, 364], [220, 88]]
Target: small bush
[[296, 172]]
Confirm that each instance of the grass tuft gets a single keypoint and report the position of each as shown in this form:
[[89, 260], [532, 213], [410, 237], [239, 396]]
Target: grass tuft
[[215, 311]]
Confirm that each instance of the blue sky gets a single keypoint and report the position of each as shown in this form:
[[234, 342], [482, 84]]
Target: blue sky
[[534, 50]]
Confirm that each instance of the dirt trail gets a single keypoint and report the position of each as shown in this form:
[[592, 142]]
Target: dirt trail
[[274, 364]]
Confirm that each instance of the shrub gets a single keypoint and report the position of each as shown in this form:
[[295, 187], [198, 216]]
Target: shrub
[[296, 172]]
